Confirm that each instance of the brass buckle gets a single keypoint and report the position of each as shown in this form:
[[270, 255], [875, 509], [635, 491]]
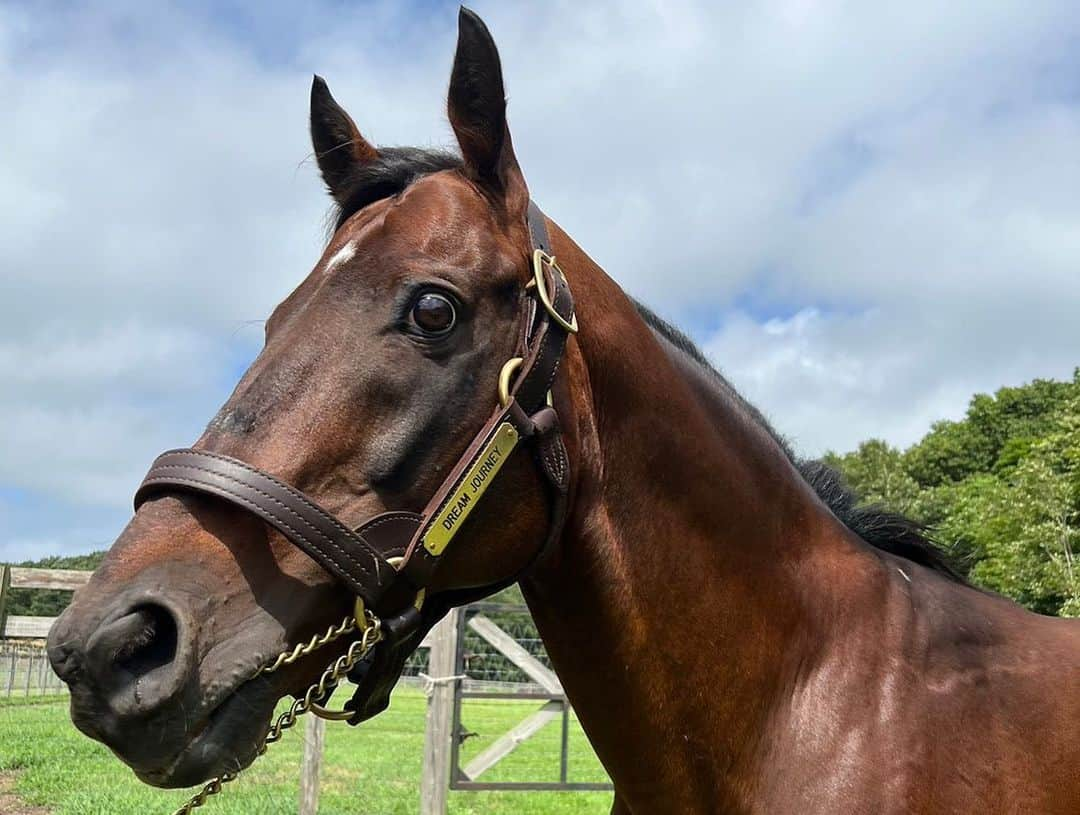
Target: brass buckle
[[540, 257], [360, 615], [509, 368], [330, 715]]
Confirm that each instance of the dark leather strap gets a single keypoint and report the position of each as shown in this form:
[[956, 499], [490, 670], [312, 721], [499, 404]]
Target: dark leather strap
[[550, 448], [359, 559], [538, 231], [346, 555]]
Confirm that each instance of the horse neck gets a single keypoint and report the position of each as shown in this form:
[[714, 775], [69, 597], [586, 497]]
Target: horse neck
[[695, 557]]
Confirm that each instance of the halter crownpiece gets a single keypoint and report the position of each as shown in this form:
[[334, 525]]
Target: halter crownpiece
[[388, 561]]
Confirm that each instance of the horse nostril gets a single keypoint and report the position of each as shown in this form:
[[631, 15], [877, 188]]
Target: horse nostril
[[151, 642], [141, 642], [138, 657]]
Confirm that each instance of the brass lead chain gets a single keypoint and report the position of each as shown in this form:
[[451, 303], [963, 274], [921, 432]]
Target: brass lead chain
[[319, 692], [302, 649], [212, 787]]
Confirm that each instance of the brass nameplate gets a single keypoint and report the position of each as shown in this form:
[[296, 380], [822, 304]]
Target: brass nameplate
[[477, 479]]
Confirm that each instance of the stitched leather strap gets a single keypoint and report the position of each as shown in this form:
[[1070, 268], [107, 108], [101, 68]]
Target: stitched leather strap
[[538, 231], [346, 555]]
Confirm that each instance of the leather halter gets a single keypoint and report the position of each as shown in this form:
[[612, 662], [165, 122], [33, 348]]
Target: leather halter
[[390, 558]]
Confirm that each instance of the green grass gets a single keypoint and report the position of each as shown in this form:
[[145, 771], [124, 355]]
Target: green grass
[[373, 769]]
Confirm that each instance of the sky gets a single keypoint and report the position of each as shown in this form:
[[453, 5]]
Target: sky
[[864, 212]]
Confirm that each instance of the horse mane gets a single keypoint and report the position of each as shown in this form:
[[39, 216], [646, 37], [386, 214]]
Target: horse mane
[[398, 167], [883, 529]]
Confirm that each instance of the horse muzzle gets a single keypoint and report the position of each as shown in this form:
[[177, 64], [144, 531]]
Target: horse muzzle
[[132, 665]]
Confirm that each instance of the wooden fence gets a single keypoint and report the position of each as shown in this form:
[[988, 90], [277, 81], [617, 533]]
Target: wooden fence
[[446, 686], [17, 577], [24, 666], [25, 671]]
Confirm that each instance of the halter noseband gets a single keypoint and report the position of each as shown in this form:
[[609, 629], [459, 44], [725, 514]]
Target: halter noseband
[[389, 559]]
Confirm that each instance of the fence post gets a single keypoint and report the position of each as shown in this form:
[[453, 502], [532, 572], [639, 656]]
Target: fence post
[[435, 776], [311, 764], [5, 594], [12, 659]]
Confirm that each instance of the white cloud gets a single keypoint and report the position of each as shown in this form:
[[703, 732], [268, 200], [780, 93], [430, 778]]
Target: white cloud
[[896, 182], [829, 381]]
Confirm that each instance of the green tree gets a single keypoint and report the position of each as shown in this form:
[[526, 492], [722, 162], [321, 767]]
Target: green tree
[[950, 452], [876, 471], [1002, 423], [1001, 488]]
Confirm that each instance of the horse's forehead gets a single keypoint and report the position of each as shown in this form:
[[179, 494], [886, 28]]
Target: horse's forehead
[[436, 212]]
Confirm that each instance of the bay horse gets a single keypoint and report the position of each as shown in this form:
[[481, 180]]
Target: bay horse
[[735, 634]]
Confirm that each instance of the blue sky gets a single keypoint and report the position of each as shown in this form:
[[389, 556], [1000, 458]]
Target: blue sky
[[864, 213]]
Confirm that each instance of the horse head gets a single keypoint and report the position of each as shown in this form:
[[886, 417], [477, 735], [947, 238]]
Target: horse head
[[377, 372]]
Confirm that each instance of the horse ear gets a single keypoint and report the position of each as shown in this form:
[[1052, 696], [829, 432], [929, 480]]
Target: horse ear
[[339, 147], [477, 109]]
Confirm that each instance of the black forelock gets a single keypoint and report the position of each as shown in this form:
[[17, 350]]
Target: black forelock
[[390, 174]]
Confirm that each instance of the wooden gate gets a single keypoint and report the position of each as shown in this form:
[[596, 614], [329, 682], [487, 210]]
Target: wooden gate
[[544, 688]]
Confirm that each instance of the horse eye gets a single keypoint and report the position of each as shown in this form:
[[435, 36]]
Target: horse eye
[[434, 314]]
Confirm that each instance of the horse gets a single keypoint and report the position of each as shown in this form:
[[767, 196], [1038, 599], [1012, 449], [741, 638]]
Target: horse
[[735, 634]]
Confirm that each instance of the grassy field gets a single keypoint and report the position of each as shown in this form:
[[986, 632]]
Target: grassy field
[[373, 769]]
